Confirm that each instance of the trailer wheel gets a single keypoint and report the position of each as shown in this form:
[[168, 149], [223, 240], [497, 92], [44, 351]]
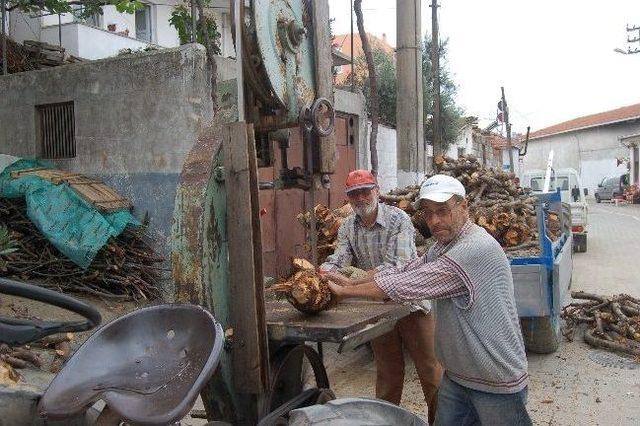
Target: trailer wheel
[[541, 334]]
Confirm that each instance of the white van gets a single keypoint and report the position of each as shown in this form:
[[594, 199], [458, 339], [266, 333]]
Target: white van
[[571, 192]]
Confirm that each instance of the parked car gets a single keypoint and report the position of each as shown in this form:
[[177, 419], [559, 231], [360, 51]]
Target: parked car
[[611, 187], [568, 182]]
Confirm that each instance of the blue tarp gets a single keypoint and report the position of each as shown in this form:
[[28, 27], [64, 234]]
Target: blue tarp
[[74, 226]]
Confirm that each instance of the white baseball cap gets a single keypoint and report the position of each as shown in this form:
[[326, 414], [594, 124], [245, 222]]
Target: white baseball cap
[[440, 188]]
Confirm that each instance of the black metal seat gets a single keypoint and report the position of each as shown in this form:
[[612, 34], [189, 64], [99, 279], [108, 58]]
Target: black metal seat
[[148, 366]]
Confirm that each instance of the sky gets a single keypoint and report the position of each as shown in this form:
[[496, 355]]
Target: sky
[[555, 58]]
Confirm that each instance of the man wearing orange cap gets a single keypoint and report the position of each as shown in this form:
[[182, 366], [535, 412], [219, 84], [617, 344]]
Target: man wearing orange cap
[[376, 237]]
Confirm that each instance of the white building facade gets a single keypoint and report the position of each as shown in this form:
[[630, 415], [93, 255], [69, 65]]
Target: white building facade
[[591, 145], [104, 35]]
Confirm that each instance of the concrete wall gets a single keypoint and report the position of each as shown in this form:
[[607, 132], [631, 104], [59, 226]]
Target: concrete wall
[[592, 152], [354, 104], [387, 157], [136, 117]]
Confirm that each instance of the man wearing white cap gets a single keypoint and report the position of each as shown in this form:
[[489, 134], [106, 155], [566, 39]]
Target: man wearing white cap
[[478, 337]]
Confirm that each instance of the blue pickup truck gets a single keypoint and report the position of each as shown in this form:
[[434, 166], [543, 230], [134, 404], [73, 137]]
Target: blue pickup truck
[[542, 284]]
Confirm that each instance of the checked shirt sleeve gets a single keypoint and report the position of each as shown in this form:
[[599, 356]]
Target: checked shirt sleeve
[[418, 280]]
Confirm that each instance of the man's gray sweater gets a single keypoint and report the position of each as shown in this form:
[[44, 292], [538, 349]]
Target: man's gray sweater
[[478, 336]]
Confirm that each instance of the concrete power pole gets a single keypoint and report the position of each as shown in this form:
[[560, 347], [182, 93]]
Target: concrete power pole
[[505, 111], [435, 64], [409, 120]]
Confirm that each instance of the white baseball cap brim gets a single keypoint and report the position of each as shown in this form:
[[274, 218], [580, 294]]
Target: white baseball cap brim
[[439, 188]]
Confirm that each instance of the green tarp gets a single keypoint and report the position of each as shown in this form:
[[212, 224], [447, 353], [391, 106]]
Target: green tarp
[[74, 226]]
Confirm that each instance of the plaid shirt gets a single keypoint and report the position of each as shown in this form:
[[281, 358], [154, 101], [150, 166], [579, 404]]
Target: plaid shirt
[[420, 279], [389, 242]]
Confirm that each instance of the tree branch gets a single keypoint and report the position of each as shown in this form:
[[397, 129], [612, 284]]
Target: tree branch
[[373, 87]]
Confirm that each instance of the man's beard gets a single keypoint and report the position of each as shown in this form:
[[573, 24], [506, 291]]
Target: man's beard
[[367, 209]]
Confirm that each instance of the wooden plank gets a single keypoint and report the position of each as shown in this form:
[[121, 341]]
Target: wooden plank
[[324, 78], [92, 190], [250, 355]]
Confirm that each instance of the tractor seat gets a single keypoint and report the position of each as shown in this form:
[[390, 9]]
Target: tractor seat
[[148, 366]]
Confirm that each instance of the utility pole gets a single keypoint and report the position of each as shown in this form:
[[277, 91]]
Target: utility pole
[[435, 64], [505, 111], [409, 106]]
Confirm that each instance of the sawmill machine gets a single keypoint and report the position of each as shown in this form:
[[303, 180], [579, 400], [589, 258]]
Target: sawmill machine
[[259, 359], [283, 87]]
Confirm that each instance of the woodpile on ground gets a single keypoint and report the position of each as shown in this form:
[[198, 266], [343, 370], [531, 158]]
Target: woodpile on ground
[[125, 268], [328, 222], [612, 322], [34, 55], [305, 289], [48, 354]]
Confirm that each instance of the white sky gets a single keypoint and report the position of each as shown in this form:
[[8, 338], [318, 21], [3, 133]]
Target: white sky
[[555, 59]]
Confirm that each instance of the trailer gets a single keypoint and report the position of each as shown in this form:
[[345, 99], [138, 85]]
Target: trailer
[[542, 284]]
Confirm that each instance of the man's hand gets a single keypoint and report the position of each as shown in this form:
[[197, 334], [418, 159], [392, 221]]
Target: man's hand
[[337, 290], [339, 279]]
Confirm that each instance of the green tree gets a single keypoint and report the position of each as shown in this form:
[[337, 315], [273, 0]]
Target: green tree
[[386, 79], [450, 112], [79, 8], [181, 21]]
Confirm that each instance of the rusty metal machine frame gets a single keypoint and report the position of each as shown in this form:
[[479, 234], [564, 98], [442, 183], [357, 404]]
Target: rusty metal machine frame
[[217, 248]]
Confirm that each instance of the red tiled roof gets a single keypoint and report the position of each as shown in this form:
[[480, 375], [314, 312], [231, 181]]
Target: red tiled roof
[[342, 42], [498, 141], [603, 118]]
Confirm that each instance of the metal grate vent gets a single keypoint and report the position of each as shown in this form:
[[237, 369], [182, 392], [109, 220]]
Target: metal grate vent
[[56, 130]]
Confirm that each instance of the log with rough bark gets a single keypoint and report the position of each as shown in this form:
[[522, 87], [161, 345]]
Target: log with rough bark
[[613, 322], [306, 290]]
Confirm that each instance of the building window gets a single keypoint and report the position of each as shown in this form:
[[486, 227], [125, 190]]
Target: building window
[[143, 23], [93, 20], [55, 131]]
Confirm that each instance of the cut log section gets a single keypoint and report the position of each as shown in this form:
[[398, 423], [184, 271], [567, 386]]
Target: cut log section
[[306, 290]]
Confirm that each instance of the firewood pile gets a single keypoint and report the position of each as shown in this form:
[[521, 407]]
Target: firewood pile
[[124, 269], [328, 222], [632, 194], [613, 323], [496, 203], [48, 354], [305, 289], [34, 55]]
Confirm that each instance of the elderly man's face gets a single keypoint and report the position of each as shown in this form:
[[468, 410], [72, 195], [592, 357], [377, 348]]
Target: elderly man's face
[[445, 220], [364, 201]]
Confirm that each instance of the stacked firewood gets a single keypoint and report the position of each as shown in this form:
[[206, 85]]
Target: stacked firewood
[[328, 222], [496, 203], [305, 289], [613, 323], [125, 268]]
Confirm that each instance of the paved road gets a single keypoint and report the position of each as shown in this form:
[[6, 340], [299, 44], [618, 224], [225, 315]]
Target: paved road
[[577, 385]]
